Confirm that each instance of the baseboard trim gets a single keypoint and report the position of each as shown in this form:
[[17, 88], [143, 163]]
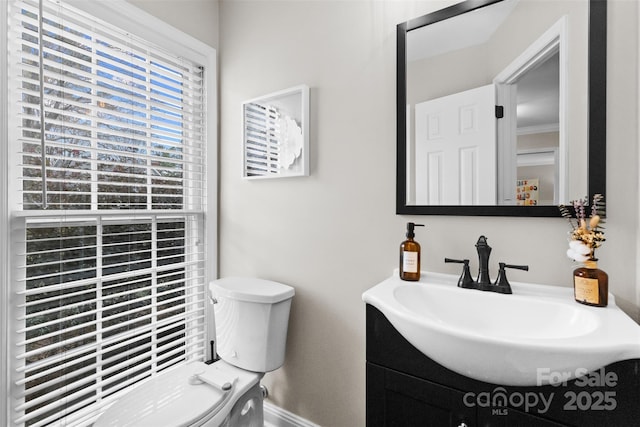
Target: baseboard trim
[[274, 416]]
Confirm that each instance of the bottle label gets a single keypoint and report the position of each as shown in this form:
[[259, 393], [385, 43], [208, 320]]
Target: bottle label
[[586, 290], [410, 262]]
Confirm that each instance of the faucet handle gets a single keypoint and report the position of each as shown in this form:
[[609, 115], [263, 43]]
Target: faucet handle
[[465, 280], [502, 284], [516, 267]]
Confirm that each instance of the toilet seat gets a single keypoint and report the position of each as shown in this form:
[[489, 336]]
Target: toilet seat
[[188, 395]]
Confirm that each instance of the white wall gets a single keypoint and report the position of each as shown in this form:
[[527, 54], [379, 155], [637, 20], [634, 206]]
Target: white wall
[[198, 18], [335, 233]]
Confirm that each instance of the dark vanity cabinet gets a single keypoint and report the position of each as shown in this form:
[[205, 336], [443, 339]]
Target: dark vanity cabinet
[[405, 388]]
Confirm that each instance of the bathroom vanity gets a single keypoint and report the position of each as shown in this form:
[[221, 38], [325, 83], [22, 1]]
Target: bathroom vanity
[[406, 387]]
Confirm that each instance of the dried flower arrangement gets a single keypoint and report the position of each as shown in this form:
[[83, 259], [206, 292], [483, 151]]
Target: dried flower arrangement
[[587, 233]]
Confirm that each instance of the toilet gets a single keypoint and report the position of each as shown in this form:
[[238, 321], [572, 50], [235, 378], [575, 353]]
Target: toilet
[[252, 317]]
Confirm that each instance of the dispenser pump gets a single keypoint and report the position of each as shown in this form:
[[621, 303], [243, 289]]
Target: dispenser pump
[[410, 229], [410, 255]]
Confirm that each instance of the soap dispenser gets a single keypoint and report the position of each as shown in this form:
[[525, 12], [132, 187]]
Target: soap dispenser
[[410, 255]]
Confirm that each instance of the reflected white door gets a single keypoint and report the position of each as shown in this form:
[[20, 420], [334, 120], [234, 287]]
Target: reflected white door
[[456, 149]]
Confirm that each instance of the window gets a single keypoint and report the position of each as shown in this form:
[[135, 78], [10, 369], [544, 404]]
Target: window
[[107, 138]]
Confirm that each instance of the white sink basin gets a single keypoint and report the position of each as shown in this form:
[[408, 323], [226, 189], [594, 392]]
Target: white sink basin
[[537, 335]]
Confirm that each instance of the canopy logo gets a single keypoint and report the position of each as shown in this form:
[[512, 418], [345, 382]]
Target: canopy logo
[[594, 394], [498, 399]]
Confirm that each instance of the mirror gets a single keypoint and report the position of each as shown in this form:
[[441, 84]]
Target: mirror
[[501, 107]]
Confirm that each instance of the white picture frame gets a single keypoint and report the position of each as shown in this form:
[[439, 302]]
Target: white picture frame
[[275, 134]]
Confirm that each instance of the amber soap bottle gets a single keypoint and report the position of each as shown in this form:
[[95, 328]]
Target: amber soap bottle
[[410, 255], [591, 285]]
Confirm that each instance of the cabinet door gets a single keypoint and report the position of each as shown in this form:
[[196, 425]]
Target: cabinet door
[[399, 400]]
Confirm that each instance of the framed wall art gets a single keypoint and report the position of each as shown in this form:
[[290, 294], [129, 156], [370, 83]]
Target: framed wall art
[[276, 134]]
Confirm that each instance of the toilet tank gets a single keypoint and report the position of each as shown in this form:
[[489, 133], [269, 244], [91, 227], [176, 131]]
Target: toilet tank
[[252, 317]]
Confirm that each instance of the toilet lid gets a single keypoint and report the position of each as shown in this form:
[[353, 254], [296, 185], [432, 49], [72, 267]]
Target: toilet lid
[[174, 395], [252, 289]]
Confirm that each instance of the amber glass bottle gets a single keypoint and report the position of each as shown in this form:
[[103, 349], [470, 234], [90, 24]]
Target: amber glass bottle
[[410, 255], [591, 285]]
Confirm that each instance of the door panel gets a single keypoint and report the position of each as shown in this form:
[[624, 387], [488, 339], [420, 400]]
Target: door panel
[[460, 131]]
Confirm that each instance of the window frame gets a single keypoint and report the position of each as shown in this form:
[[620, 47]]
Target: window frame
[[132, 19]]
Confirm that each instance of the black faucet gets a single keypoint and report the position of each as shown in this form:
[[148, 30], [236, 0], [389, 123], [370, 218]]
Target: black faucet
[[484, 250], [483, 282]]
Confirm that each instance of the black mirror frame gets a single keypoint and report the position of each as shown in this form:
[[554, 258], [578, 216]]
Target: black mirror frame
[[597, 118]]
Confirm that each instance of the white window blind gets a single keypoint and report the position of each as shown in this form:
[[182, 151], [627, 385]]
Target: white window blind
[[108, 148]]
